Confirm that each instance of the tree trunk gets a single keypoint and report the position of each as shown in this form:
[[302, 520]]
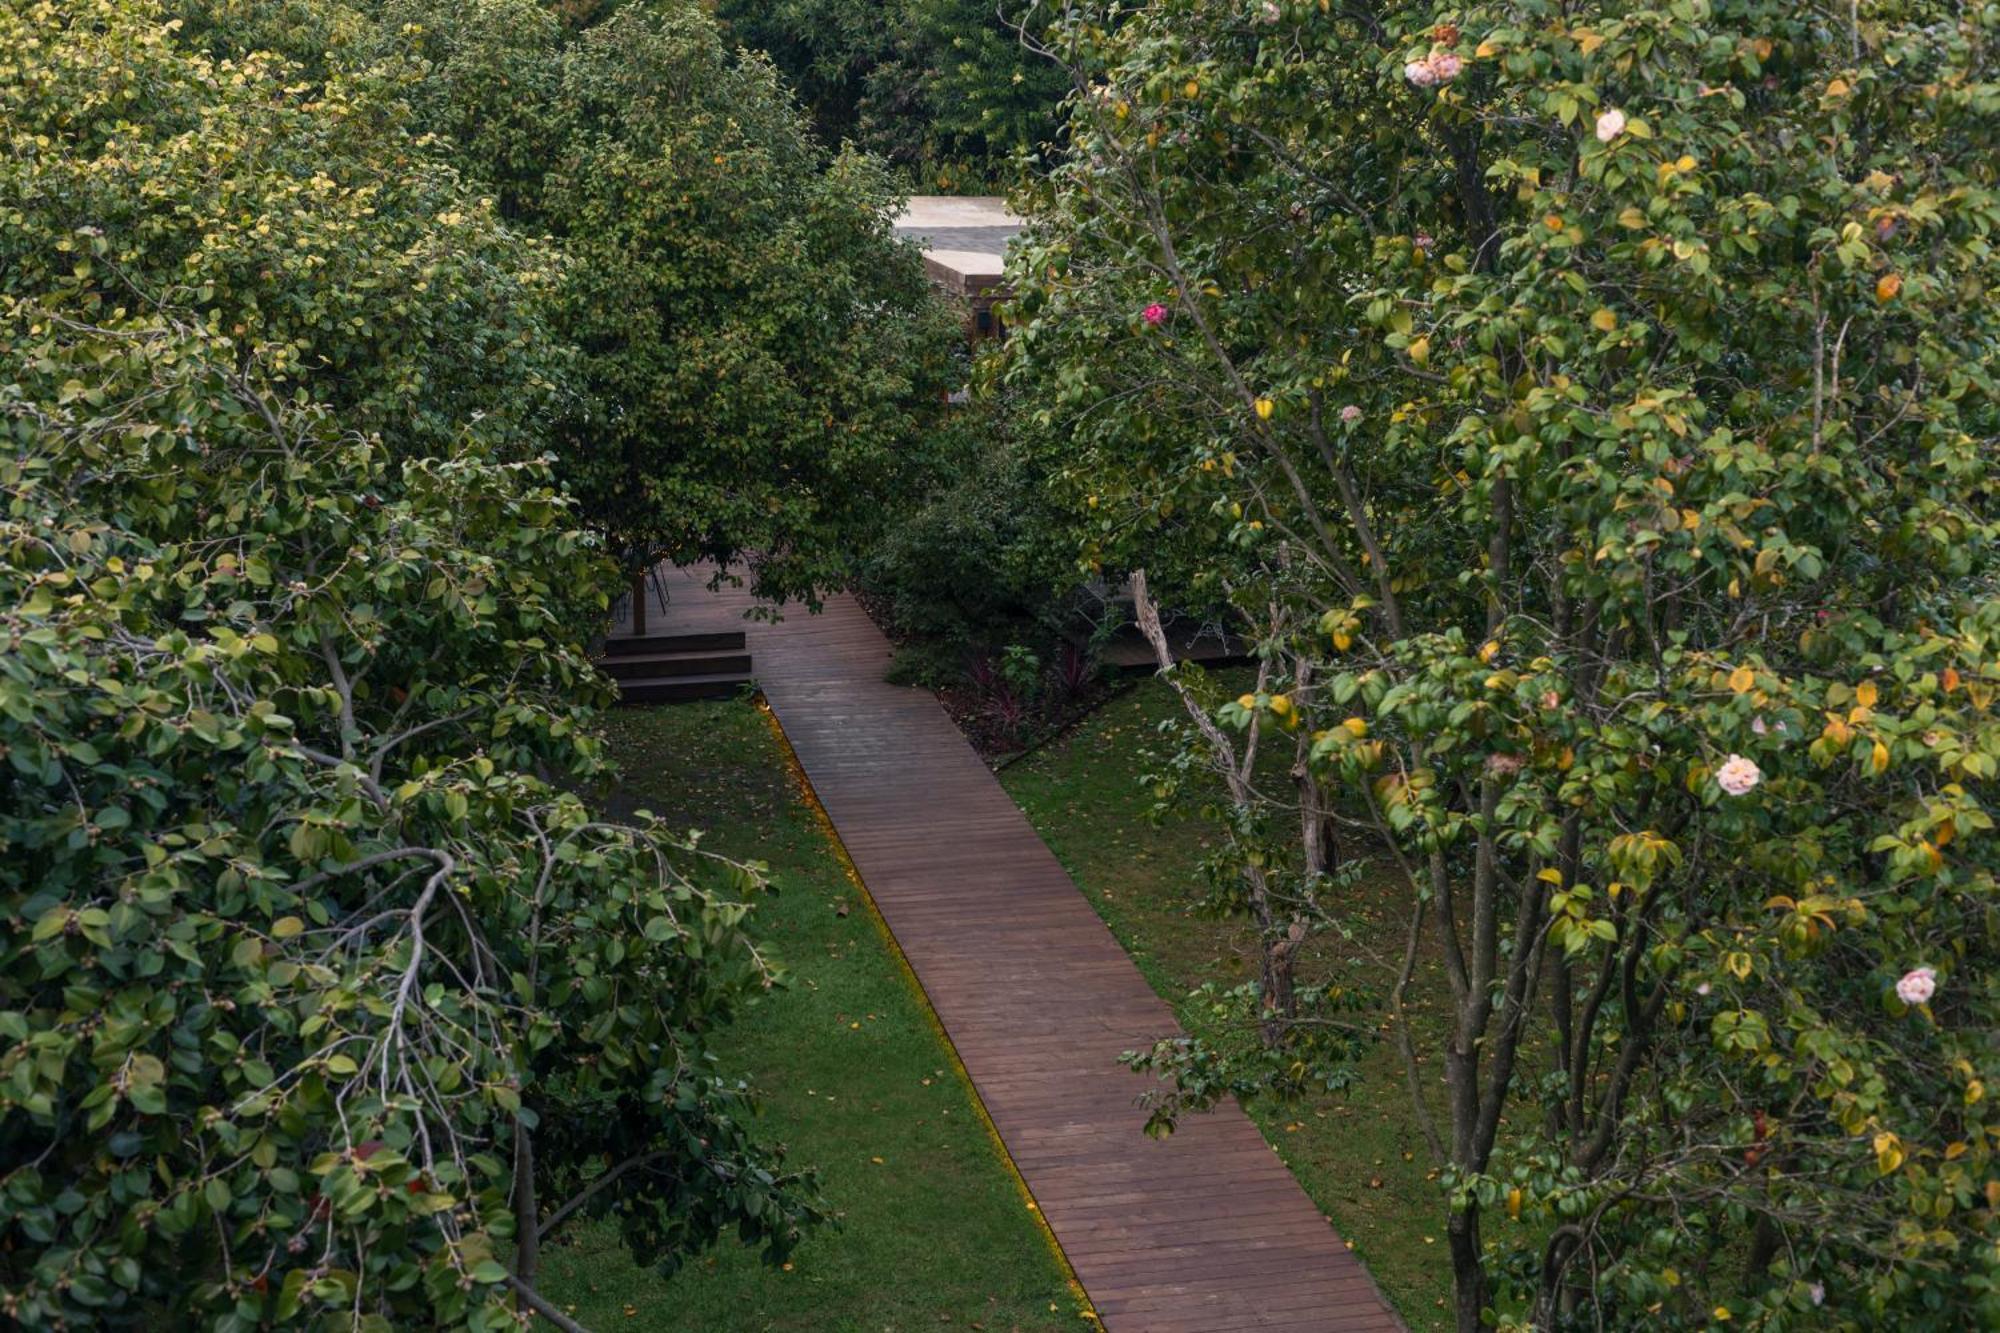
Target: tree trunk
[[1468, 1273], [527, 1214]]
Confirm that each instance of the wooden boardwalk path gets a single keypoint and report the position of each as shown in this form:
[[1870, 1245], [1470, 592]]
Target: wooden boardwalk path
[[1205, 1232]]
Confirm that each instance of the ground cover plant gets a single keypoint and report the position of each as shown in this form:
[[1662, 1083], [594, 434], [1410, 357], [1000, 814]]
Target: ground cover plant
[[850, 1073], [1592, 411]]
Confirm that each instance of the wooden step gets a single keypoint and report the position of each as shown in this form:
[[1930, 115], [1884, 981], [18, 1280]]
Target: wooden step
[[649, 666], [715, 641], [680, 689]]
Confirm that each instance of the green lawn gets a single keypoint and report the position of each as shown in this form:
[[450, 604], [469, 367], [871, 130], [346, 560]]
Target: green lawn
[[934, 1230], [1358, 1155]]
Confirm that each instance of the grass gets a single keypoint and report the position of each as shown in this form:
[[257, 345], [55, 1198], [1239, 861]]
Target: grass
[[854, 1078], [1358, 1155]]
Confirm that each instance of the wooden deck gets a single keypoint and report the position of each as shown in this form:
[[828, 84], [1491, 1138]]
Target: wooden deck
[[1205, 1232]]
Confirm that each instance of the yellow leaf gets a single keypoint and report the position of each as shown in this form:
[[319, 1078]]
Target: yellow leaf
[[1420, 350], [1489, 650], [1888, 1152], [1684, 163], [1887, 287], [286, 926], [1632, 219], [1604, 321], [1879, 759], [1587, 41], [1550, 875], [1743, 680], [1514, 1203], [1193, 89], [1864, 694], [1838, 88], [1264, 408], [1974, 1091], [1950, 679]]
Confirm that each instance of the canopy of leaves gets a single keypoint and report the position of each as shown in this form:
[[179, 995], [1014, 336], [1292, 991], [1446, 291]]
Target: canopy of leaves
[[1577, 399], [946, 90], [318, 995]]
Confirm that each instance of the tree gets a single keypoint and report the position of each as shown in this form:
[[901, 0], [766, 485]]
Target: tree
[[1592, 413], [323, 995], [945, 90], [763, 359], [371, 276]]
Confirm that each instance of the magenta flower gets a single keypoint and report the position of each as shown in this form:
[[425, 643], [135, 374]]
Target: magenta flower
[[1155, 313]]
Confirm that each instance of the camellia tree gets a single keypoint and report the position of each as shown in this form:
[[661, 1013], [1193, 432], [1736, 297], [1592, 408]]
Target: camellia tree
[[758, 359], [1591, 411], [324, 999]]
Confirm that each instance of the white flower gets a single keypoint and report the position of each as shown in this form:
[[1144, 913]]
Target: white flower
[[1917, 986], [1420, 73], [1702, 989], [1270, 11], [1610, 125], [1738, 775], [1817, 1293], [1757, 725]]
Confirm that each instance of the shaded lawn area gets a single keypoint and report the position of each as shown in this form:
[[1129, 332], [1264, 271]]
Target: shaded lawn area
[[1358, 1154], [853, 1077]]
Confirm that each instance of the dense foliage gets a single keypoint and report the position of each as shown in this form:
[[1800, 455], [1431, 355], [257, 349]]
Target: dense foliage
[[946, 90], [752, 360], [322, 996], [1592, 409]]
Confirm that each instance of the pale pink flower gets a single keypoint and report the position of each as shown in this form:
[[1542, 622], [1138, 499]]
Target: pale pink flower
[[1420, 73], [1445, 66], [1270, 12], [1817, 1293], [1757, 725], [1422, 240], [1610, 125], [1350, 414], [1503, 765], [1917, 986], [1155, 313], [1702, 989], [1738, 775]]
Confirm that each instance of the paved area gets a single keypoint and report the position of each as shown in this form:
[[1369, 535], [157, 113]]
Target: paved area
[[1204, 1232]]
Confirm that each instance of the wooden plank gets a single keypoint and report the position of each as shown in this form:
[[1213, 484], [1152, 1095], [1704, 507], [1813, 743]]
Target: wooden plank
[[1204, 1231]]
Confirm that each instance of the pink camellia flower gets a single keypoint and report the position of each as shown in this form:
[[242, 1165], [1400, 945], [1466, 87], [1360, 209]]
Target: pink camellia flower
[[1816, 1293], [1420, 73], [1702, 989], [1917, 986], [1757, 725], [1738, 775], [1155, 313], [1610, 125], [1271, 12], [1350, 414], [1445, 66]]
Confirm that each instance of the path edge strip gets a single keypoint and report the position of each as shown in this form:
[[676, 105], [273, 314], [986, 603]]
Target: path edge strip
[[803, 782]]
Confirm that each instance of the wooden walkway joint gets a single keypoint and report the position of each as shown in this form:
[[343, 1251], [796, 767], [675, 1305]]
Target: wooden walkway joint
[[1204, 1232]]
